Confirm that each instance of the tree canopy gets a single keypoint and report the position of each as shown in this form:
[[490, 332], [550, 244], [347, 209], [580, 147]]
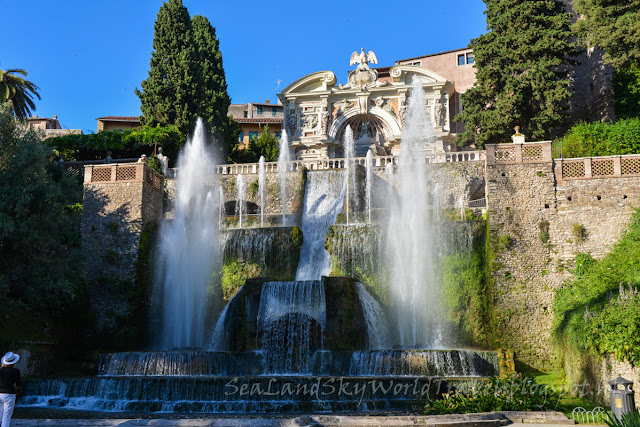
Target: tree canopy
[[522, 76], [265, 144], [186, 76], [18, 91], [39, 225], [124, 143], [612, 25]]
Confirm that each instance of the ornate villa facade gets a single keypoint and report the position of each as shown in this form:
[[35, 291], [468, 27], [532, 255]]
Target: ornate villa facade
[[317, 110]]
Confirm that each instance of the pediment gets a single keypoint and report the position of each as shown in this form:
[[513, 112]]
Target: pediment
[[315, 82], [405, 73]]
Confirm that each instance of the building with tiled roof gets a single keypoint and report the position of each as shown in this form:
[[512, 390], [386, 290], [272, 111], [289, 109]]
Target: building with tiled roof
[[118, 122], [50, 126], [253, 117]]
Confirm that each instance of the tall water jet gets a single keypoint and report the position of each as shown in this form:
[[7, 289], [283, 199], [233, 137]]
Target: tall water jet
[[283, 166], [369, 182], [411, 235], [349, 154], [240, 200], [261, 188], [188, 251]]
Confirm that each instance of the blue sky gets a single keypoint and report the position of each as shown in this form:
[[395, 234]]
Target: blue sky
[[87, 57]]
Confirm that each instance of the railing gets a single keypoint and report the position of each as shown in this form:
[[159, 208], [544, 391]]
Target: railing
[[478, 203], [596, 416], [379, 162], [532, 152], [76, 168], [597, 167], [126, 172]]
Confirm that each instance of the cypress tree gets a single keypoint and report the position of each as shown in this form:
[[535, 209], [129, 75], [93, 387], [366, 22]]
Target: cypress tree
[[522, 77], [168, 95], [212, 99]]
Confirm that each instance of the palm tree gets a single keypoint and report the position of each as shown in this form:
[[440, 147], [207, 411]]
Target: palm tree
[[18, 92]]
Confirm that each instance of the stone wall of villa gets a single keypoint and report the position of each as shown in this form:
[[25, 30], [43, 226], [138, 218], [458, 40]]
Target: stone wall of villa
[[113, 218], [526, 270]]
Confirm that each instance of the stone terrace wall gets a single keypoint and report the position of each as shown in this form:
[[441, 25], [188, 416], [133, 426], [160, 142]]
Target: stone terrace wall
[[118, 201], [521, 195]]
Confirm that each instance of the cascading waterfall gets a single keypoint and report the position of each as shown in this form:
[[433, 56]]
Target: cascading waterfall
[[411, 236], [377, 329], [240, 200], [261, 188], [283, 166], [349, 181], [291, 320], [368, 183], [188, 252], [323, 202]]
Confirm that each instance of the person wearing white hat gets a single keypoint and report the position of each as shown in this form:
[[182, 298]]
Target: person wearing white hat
[[9, 382]]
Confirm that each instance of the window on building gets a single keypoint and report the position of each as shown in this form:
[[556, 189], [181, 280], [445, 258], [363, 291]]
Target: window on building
[[241, 137], [252, 134], [246, 113], [260, 109], [418, 63], [274, 111], [465, 58], [278, 135]]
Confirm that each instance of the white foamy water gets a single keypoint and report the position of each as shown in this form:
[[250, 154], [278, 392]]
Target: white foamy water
[[283, 165], [189, 251], [412, 236], [322, 203]]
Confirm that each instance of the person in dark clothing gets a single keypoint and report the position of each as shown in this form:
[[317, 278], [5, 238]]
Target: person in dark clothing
[[9, 382]]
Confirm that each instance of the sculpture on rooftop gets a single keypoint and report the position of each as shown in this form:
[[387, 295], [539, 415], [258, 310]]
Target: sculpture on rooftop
[[363, 76]]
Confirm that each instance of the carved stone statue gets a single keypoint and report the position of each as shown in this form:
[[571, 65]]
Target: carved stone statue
[[437, 114], [363, 76], [310, 121], [292, 124], [326, 118], [363, 59], [402, 111]]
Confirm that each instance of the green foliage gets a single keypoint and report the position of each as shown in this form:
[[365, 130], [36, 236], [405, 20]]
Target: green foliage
[[186, 78], [265, 144], [594, 300], [630, 419], [154, 163], [123, 143], [612, 25], [602, 139], [234, 274], [503, 243], [18, 92], [465, 294], [578, 232], [514, 393], [544, 231], [522, 75], [39, 225], [626, 91]]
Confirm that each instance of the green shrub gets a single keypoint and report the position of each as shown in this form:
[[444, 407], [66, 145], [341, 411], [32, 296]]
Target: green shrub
[[579, 232], [602, 139], [503, 243], [514, 393], [591, 313], [234, 275], [544, 231]]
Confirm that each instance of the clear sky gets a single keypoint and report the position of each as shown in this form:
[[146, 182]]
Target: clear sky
[[88, 56]]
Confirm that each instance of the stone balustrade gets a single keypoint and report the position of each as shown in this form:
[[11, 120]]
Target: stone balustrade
[[379, 162], [123, 172], [597, 167], [529, 152]]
